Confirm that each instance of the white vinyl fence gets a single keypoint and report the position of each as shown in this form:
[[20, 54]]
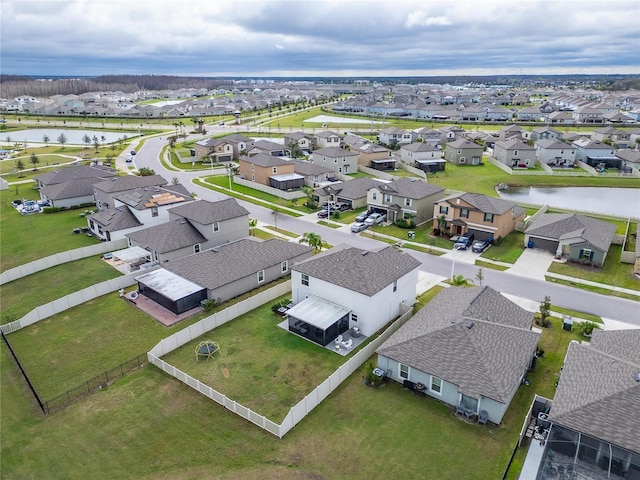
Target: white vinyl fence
[[60, 258], [377, 173], [299, 411], [270, 190]]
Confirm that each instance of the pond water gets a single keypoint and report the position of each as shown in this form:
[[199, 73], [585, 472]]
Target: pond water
[[620, 202], [74, 136]]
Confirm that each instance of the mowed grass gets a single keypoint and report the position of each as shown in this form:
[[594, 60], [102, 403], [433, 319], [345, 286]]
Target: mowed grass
[[260, 365], [24, 238], [509, 250], [22, 295]]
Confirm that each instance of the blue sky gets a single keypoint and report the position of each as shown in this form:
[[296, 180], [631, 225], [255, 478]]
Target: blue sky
[[318, 37]]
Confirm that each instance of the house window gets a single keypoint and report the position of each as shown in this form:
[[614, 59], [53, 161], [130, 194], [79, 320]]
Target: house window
[[388, 198], [436, 385], [515, 153], [586, 254], [395, 285], [275, 169], [284, 266], [305, 279], [444, 210], [464, 213], [253, 177], [196, 248], [261, 276], [404, 371], [463, 160], [407, 202], [354, 317], [216, 226], [374, 196], [154, 211], [488, 217], [459, 151], [253, 167]]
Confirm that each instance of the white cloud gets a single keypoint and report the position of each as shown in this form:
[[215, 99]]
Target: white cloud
[[422, 19]]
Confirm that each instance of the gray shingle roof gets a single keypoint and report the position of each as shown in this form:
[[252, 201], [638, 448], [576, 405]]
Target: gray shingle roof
[[472, 337], [74, 173], [333, 152], [411, 188], [366, 274], [487, 204], [561, 226], [597, 393], [463, 143], [206, 213], [154, 196], [268, 145], [265, 160], [80, 187], [167, 237], [552, 143], [308, 168], [420, 147], [352, 189], [130, 182], [233, 261], [115, 219], [514, 144]]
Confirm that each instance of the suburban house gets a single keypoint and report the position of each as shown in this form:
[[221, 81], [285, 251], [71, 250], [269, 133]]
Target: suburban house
[[105, 191], [273, 171], [394, 136], [629, 156], [424, 156], [374, 156], [313, 174], [239, 143], [498, 114], [427, 135], [596, 154], [136, 209], [347, 287], [594, 429], [353, 192], [616, 137], [514, 153], [555, 153], [405, 198], [468, 347], [486, 217], [193, 228], [214, 149], [266, 147], [300, 142], [545, 133], [529, 114], [221, 273], [463, 152], [561, 118], [589, 115], [337, 159], [71, 187], [327, 139], [578, 237], [511, 132]]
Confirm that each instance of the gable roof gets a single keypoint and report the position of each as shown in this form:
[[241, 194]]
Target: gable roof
[[553, 143], [206, 213], [487, 204], [326, 134], [154, 196], [352, 189], [77, 172], [308, 168], [130, 182], [472, 337], [420, 147], [265, 160], [561, 226], [352, 268], [232, 261], [268, 145], [116, 219], [335, 152], [167, 237], [410, 188], [598, 393], [463, 143], [514, 144], [80, 187]]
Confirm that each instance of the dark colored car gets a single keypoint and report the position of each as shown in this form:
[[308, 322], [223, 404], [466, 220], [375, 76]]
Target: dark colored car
[[133, 152], [479, 246], [323, 213], [464, 242]]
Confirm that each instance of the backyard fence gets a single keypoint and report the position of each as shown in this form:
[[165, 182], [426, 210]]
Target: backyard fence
[[99, 382], [416, 171], [276, 192], [377, 173], [299, 411], [60, 258], [72, 300]]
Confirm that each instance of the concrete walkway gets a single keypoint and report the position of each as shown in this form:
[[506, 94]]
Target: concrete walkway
[[533, 263]]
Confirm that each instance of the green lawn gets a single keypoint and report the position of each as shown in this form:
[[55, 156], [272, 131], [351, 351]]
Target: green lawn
[[509, 249], [490, 265], [612, 272], [422, 235], [282, 231], [24, 238]]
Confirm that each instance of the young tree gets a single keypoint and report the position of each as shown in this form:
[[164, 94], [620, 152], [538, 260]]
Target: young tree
[[62, 139], [46, 139], [96, 143], [34, 160], [253, 223], [545, 311], [86, 139], [20, 167], [460, 281], [146, 172], [480, 277], [175, 181], [314, 240]]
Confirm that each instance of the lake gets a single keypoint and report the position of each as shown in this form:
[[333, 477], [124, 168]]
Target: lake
[[74, 136], [620, 202]]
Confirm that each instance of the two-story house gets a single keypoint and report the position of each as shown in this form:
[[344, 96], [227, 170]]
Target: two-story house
[[485, 217], [105, 191], [405, 198], [326, 139], [424, 156], [545, 133], [427, 135], [262, 167], [337, 159], [300, 142], [463, 152], [266, 147], [515, 153], [394, 136], [588, 115], [347, 287], [193, 228], [555, 153], [214, 149], [596, 154], [374, 156], [616, 137]]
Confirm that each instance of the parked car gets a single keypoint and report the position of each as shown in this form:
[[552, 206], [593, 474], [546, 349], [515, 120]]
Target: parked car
[[16, 203], [343, 207], [479, 246], [375, 218], [358, 227], [362, 217], [465, 241], [133, 152], [323, 213], [129, 159]]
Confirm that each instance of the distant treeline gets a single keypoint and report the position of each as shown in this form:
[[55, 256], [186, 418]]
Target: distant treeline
[[12, 86]]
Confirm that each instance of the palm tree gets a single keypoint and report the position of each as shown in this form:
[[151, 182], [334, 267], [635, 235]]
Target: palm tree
[[314, 240], [35, 160], [253, 223], [308, 191], [460, 281]]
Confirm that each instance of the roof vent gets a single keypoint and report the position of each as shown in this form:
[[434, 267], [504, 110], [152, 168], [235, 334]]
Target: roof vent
[[364, 252], [469, 324], [638, 377]]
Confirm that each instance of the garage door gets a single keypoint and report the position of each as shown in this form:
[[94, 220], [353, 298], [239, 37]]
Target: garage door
[[544, 244], [481, 234], [224, 158]]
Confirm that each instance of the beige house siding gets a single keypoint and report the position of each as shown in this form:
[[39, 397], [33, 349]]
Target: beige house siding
[[261, 174]]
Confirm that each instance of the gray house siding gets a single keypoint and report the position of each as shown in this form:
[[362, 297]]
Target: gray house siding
[[596, 258], [72, 202], [229, 230]]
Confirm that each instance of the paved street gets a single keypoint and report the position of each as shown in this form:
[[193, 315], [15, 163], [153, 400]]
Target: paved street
[[523, 280]]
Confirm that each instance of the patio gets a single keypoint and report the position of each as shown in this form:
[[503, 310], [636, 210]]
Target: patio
[[348, 338], [157, 311]]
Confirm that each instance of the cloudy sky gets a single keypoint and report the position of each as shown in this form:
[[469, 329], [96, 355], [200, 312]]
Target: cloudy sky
[[318, 37]]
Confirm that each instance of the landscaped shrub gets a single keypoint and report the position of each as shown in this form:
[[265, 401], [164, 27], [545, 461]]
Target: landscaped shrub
[[50, 209], [405, 223], [282, 303]]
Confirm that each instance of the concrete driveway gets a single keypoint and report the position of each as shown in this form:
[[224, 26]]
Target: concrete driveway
[[533, 263]]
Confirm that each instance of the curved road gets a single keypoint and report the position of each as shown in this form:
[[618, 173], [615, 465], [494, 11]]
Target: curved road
[[573, 298]]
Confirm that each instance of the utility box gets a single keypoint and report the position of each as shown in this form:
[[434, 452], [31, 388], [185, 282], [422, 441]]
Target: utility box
[[411, 234], [567, 323]]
